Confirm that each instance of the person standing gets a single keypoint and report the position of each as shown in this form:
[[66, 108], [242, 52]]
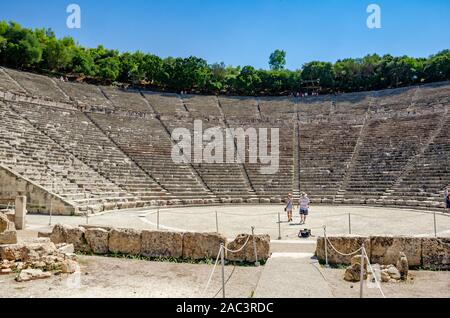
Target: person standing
[[303, 202], [289, 206]]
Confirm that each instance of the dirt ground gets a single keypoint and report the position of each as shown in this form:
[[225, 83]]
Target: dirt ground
[[421, 284], [125, 278]]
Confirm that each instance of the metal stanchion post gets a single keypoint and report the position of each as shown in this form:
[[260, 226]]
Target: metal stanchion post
[[361, 274], [349, 224], [51, 208], [222, 258], [51, 202], [157, 219], [434, 219], [279, 226], [254, 247], [217, 223], [326, 245]]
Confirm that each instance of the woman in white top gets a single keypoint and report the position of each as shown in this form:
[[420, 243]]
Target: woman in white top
[[289, 206]]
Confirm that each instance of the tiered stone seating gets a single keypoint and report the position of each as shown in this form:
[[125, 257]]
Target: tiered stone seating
[[315, 109], [432, 98], [329, 130], [33, 155], [237, 109], [79, 136], [227, 180], [425, 181], [203, 107], [387, 146], [88, 97], [148, 144], [127, 101], [38, 86], [278, 109], [7, 84], [167, 105], [325, 153], [103, 147], [269, 187], [351, 108]]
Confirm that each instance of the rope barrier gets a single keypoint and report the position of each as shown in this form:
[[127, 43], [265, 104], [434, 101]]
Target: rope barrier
[[240, 249], [229, 277], [373, 273], [217, 261], [343, 254], [212, 272]]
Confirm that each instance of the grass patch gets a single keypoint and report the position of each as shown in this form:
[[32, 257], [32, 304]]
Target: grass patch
[[206, 261]]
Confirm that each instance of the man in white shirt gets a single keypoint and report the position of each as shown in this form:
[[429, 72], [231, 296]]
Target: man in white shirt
[[303, 202]]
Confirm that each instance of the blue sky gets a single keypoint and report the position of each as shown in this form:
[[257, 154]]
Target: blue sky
[[245, 32]]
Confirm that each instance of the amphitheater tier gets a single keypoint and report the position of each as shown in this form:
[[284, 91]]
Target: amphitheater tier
[[99, 148]]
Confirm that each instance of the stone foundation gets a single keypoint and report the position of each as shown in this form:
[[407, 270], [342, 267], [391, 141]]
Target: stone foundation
[[153, 244], [426, 252]]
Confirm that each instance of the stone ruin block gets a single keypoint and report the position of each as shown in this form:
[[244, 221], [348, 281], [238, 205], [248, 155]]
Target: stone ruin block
[[248, 252], [264, 200], [28, 251], [97, 239], [161, 244], [125, 241], [436, 253], [70, 235], [253, 200], [59, 234], [385, 250], [202, 245], [75, 236], [6, 224], [345, 244], [8, 237]]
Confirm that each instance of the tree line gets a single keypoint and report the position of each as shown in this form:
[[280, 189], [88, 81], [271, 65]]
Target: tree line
[[40, 51]]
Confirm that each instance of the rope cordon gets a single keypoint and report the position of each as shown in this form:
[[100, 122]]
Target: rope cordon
[[343, 254]]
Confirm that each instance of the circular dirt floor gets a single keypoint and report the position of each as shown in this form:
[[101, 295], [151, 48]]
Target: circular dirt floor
[[233, 220]]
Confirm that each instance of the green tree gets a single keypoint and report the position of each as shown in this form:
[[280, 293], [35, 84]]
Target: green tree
[[277, 60], [23, 48], [82, 63], [109, 68], [57, 54], [248, 81], [319, 71], [437, 67]]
